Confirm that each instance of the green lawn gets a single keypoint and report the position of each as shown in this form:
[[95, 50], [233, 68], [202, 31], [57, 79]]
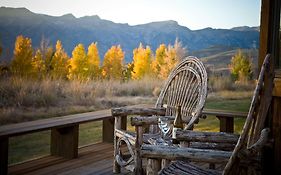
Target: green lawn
[[38, 144]]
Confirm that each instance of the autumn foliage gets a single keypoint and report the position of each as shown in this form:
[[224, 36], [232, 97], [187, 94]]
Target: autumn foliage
[[84, 65]]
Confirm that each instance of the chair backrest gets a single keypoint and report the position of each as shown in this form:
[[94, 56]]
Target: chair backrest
[[186, 86], [255, 121]]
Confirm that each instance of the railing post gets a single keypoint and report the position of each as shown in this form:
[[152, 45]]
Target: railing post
[[226, 124], [64, 141], [4, 145], [108, 130]]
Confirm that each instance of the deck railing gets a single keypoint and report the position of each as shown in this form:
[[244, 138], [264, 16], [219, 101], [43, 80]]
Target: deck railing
[[65, 131]]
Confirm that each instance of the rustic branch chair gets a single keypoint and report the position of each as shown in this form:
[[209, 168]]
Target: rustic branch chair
[[185, 86], [246, 156]]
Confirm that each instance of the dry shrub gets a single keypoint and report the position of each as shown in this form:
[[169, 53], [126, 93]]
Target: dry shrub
[[25, 97], [219, 83]]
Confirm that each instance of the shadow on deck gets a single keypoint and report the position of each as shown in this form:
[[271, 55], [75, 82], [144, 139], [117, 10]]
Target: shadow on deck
[[93, 159]]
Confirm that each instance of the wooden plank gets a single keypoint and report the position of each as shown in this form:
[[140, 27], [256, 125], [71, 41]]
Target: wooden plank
[[35, 164], [88, 155], [64, 142], [231, 114], [4, 144], [56, 122]]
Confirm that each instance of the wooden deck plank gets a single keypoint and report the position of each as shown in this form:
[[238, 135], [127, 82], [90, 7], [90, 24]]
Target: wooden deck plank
[[96, 159]]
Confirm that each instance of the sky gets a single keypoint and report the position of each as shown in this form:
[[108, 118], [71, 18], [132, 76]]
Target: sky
[[194, 14]]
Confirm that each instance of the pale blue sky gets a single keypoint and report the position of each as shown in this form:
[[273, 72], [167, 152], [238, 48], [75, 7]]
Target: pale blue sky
[[194, 14]]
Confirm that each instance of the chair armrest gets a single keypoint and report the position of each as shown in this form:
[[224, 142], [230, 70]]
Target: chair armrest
[[144, 120], [199, 136], [256, 147], [177, 153], [123, 111], [152, 120]]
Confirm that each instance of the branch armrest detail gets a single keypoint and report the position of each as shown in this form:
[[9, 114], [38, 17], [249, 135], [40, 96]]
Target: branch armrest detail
[[256, 147], [137, 111], [199, 136], [176, 153]]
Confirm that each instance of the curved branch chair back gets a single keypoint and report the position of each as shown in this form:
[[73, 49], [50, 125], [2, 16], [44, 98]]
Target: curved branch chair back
[[186, 86]]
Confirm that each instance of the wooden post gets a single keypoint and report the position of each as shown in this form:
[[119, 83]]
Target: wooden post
[[138, 161], [64, 141], [108, 130], [4, 145], [119, 123], [276, 126], [226, 124]]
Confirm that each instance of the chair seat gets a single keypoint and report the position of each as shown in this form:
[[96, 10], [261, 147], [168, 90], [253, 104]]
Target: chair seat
[[186, 168]]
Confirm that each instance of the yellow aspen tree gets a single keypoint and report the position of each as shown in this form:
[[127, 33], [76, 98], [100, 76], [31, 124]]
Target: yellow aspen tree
[[142, 61], [181, 52], [59, 63], [48, 56], [241, 67], [170, 62], [79, 68], [158, 62], [38, 65], [21, 62], [94, 61], [113, 63]]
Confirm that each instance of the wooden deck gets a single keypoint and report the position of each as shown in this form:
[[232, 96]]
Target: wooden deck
[[93, 159]]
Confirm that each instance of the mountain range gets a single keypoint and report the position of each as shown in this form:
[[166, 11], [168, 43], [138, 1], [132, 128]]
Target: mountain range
[[72, 31]]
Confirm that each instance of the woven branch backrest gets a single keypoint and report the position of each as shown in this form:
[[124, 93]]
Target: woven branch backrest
[[185, 86], [256, 116]]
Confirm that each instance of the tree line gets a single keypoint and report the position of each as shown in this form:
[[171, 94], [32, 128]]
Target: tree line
[[83, 65]]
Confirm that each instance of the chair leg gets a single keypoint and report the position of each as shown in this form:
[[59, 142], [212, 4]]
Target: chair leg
[[153, 166], [116, 166], [165, 163]]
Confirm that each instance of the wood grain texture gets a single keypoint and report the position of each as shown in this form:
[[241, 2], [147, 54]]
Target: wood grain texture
[[197, 136], [173, 153]]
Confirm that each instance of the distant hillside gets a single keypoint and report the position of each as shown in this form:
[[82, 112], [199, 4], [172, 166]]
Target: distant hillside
[[219, 61], [71, 31]]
